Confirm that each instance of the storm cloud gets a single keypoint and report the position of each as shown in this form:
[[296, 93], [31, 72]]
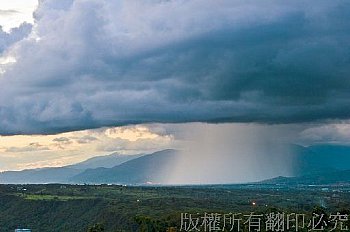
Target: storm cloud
[[98, 63]]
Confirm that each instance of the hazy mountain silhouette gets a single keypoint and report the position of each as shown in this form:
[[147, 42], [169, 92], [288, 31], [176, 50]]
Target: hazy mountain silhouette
[[322, 178], [107, 161], [320, 159], [62, 174], [154, 168], [38, 176], [308, 164]]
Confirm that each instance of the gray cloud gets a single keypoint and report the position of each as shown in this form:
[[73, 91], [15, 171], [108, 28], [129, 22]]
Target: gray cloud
[[15, 35], [62, 139], [86, 139], [100, 63], [337, 133], [8, 12], [29, 148]]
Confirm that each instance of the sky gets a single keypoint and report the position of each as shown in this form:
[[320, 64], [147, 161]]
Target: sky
[[13, 13], [83, 67], [18, 152]]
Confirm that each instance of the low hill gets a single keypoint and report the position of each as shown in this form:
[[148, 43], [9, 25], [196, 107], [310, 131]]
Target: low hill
[[321, 178], [38, 176]]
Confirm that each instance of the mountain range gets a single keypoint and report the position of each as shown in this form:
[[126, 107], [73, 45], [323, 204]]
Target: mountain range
[[154, 168], [319, 164], [63, 174], [320, 159]]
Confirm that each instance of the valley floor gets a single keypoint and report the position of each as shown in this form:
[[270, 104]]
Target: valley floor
[[76, 208]]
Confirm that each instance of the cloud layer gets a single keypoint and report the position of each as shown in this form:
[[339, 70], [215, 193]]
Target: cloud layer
[[34, 151], [16, 34], [96, 63]]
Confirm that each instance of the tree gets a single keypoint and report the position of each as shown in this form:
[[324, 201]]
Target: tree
[[99, 227]]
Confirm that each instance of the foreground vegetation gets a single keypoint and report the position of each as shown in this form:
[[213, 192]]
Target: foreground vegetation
[[121, 208]]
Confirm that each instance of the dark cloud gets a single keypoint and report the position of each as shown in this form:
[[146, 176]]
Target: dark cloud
[[100, 63]]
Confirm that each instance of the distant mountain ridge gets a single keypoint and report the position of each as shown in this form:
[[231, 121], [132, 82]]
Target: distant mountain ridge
[[62, 174], [319, 159], [107, 161], [38, 176], [154, 168], [325, 178], [313, 164]]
